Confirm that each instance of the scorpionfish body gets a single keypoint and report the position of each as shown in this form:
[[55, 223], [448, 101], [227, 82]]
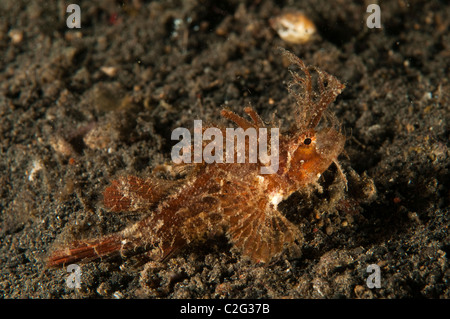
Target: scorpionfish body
[[231, 198]]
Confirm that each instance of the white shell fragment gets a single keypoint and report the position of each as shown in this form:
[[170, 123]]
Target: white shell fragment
[[293, 27]]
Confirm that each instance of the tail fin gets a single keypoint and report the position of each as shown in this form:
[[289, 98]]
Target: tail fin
[[85, 251]]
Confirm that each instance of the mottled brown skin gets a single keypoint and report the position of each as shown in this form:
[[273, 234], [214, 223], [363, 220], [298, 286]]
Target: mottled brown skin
[[232, 198]]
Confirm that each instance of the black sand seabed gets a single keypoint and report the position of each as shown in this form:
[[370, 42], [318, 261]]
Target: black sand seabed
[[138, 69]]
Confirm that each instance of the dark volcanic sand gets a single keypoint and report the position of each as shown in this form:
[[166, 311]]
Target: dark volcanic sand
[[170, 62]]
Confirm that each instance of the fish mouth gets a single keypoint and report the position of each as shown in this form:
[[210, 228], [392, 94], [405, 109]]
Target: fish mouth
[[329, 142]]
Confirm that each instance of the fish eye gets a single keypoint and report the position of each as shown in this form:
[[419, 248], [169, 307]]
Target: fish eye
[[307, 141]]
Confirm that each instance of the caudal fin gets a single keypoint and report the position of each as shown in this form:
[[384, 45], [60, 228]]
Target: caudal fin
[[85, 251]]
